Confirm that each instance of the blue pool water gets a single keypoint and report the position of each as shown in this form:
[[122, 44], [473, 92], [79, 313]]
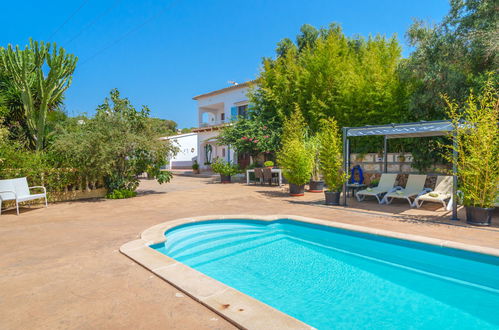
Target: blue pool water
[[338, 279]]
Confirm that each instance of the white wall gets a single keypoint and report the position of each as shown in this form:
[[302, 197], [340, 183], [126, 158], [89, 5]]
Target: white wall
[[216, 104], [188, 149], [228, 99]]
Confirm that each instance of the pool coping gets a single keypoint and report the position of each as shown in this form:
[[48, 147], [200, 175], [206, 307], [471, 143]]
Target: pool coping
[[238, 308]]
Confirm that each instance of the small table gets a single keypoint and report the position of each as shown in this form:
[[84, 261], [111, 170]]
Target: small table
[[274, 170], [354, 187]]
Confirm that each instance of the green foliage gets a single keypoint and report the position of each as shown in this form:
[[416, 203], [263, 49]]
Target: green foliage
[[313, 144], [224, 168], [253, 135], [477, 145], [118, 143], [330, 155], [451, 57], [38, 76], [327, 74], [195, 165], [296, 161], [268, 163], [121, 193], [162, 127]]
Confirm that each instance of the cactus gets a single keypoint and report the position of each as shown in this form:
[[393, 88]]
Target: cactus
[[38, 90]]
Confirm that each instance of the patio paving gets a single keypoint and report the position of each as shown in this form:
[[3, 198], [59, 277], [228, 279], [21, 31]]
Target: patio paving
[[61, 268]]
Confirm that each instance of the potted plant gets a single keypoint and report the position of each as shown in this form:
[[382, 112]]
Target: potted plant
[[316, 185], [296, 162], [268, 164], [331, 161], [225, 169], [477, 147], [195, 167]]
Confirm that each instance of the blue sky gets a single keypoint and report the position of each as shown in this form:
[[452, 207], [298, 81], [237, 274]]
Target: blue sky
[[162, 53]]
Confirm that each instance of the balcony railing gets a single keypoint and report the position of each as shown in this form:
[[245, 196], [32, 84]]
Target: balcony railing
[[214, 123]]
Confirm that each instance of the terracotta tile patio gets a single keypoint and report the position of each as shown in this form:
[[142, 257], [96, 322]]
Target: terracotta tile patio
[[60, 267]]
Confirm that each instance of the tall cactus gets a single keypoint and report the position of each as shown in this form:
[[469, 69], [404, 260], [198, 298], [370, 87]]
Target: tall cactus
[[38, 89]]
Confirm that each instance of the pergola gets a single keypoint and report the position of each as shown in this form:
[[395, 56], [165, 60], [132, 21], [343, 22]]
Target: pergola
[[405, 130]]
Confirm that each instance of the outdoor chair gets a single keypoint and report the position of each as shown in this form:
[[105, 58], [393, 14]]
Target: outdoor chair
[[442, 192], [386, 183], [259, 175], [17, 190], [267, 175], [413, 188]]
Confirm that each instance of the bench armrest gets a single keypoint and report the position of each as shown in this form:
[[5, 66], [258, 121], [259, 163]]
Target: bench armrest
[[44, 190]]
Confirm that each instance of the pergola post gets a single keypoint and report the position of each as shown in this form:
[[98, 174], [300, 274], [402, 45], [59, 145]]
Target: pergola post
[[454, 175], [385, 155], [345, 163]]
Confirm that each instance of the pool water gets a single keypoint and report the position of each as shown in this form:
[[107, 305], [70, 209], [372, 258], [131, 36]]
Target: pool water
[[332, 278]]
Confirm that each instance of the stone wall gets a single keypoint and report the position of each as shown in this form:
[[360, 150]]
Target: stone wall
[[373, 165]]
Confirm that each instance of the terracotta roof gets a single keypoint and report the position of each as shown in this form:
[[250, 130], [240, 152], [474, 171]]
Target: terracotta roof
[[223, 90]]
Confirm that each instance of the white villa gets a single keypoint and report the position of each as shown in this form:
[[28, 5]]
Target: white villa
[[215, 110], [188, 150]]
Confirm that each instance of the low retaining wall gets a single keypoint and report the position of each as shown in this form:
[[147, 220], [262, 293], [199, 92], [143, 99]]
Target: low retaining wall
[[373, 165]]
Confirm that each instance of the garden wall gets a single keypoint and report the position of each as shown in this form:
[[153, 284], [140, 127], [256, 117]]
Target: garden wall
[[373, 165], [62, 184]]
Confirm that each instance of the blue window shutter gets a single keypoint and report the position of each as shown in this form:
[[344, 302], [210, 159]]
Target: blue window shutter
[[233, 113]]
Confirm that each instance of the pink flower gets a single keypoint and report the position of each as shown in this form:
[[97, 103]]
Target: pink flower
[[266, 136], [251, 139], [255, 141], [244, 138], [264, 127]]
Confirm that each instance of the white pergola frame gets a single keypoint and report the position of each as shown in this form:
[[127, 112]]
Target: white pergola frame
[[405, 130]]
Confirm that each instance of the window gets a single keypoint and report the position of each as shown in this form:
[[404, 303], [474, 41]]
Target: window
[[242, 111], [222, 116], [223, 152]]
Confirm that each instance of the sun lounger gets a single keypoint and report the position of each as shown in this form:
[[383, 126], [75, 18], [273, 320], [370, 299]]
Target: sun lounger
[[442, 192], [413, 188], [386, 183]]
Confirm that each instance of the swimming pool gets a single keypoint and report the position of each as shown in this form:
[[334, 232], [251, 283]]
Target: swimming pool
[[336, 278]]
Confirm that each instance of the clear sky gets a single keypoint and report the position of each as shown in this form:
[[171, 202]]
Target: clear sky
[[161, 53]]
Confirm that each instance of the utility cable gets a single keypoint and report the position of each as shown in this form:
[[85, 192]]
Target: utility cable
[[69, 18]]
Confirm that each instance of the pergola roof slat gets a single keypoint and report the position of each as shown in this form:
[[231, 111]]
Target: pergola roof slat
[[420, 129]]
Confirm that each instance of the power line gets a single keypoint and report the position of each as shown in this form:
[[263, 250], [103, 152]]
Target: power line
[[136, 28], [69, 18], [86, 27]]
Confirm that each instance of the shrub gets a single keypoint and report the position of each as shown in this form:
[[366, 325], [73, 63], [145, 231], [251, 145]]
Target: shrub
[[119, 144], [477, 136], [296, 161], [121, 193], [268, 163], [224, 168], [195, 165], [330, 155]]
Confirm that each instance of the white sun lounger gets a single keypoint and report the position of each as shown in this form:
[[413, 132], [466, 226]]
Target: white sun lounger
[[442, 192], [413, 188], [18, 191], [386, 183]]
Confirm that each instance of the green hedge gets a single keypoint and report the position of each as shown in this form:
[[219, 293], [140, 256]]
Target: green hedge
[[54, 179]]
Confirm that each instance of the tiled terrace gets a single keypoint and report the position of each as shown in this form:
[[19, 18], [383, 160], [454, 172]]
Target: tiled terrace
[[60, 267]]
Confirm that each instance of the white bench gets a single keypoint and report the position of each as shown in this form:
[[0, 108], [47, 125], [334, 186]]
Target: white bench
[[18, 190]]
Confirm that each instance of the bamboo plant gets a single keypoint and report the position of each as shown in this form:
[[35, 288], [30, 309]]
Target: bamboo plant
[[477, 146]]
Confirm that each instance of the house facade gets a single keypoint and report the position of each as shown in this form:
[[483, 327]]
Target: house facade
[[216, 110], [187, 145]]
